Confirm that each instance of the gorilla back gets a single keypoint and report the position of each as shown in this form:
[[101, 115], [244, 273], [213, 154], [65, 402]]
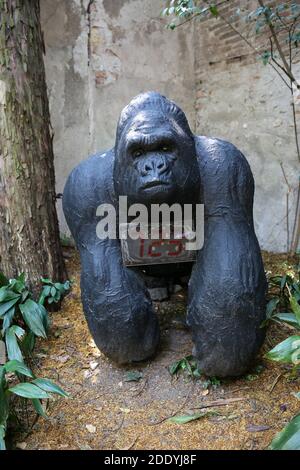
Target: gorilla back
[[157, 159]]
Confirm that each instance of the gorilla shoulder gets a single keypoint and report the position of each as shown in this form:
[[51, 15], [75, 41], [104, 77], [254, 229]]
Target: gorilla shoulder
[[89, 184], [220, 150]]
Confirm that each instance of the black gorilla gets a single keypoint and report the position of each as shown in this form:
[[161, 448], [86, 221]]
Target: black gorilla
[[157, 159]]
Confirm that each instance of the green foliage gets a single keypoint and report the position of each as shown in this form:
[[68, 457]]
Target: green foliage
[[183, 419], [289, 437], [133, 376], [22, 320], [284, 18], [288, 351], [53, 291], [187, 364], [285, 303], [188, 9], [254, 374]]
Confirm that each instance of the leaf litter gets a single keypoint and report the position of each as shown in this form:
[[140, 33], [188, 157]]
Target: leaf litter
[[98, 411]]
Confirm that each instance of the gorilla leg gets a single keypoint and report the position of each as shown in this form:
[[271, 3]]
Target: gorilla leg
[[226, 299], [117, 305]]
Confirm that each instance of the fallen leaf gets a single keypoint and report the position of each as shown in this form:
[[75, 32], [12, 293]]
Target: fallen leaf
[[87, 374], [21, 445], [91, 428], [205, 392], [183, 419], [257, 428], [94, 365], [62, 359], [98, 408], [125, 410], [133, 376]]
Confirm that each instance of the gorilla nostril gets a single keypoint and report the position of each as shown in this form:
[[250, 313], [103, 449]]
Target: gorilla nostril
[[161, 167], [147, 167]]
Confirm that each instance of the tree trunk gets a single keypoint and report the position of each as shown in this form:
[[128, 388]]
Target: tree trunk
[[29, 233]]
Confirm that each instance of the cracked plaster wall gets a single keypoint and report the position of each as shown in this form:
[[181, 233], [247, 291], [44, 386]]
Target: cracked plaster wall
[[101, 53]]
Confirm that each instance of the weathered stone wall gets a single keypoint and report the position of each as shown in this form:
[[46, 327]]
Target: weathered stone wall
[[241, 100], [101, 53]]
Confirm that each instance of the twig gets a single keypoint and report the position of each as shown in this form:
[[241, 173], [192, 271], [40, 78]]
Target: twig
[[175, 412], [287, 207], [119, 427], [131, 445], [141, 389], [275, 383], [280, 66], [221, 402], [288, 70]]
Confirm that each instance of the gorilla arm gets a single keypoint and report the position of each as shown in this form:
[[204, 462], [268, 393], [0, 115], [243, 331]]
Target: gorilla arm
[[228, 284], [115, 300]]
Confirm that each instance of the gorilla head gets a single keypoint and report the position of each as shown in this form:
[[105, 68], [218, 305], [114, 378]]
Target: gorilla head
[[155, 155]]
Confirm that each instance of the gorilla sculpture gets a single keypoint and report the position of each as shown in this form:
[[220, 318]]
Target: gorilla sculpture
[[157, 159]]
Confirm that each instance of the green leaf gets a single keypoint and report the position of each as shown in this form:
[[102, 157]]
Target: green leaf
[[197, 373], [28, 390], [296, 308], [18, 285], [287, 317], [214, 10], [67, 285], [271, 306], [39, 407], [289, 437], [133, 376], [25, 294], [46, 291], [173, 368], [12, 346], [2, 436], [282, 282], [17, 366], [49, 386], [21, 278], [28, 343], [7, 294], [8, 305], [183, 419], [287, 351], [7, 319], [35, 316]]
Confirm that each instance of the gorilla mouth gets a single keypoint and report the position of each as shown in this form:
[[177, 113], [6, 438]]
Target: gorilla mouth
[[155, 184]]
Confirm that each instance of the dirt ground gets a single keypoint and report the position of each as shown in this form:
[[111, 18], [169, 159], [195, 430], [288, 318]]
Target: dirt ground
[[107, 412]]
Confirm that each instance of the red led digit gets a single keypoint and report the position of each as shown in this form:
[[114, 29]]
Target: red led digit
[[142, 247], [176, 252], [153, 245]]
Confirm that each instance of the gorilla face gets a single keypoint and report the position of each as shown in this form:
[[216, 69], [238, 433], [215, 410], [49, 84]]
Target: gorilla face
[[156, 161]]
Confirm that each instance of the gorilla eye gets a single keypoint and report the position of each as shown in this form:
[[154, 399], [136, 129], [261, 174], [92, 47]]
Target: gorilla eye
[[166, 148], [137, 153]]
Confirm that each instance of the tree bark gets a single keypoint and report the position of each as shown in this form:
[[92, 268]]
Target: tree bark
[[29, 232]]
